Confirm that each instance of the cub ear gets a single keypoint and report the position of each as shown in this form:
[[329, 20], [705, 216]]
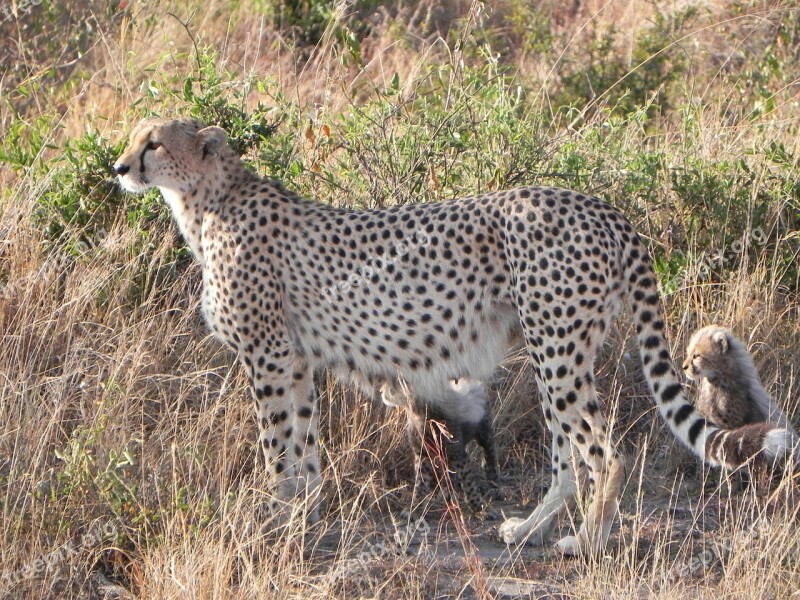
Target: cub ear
[[211, 140], [721, 340]]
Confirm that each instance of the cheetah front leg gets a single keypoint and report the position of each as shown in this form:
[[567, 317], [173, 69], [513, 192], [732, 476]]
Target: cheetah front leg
[[271, 373]]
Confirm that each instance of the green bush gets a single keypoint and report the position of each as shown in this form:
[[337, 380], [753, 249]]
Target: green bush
[[600, 72], [450, 132]]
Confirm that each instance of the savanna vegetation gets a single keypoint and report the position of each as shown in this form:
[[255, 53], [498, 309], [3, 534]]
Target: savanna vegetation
[[127, 458]]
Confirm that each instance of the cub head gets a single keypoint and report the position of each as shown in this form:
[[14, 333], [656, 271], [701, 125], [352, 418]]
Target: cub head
[[708, 353], [172, 154]]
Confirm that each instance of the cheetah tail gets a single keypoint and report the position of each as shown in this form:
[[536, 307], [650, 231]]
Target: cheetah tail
[[729, 448]]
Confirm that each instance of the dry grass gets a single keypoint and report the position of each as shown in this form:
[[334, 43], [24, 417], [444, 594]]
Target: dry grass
[[127, 463]]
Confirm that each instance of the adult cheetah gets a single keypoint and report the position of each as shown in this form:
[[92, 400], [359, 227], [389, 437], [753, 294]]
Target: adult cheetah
[[552, 265]]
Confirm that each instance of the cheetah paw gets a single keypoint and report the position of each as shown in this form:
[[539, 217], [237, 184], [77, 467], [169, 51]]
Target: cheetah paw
[[569, 546], [513, 531]]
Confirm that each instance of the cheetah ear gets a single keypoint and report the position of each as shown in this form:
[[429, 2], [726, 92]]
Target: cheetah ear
[[211, 140], [721, 340]]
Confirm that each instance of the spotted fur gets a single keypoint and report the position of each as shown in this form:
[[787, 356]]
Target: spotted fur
[[431, 292]]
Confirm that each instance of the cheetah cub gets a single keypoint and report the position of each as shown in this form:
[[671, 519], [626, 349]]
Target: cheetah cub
[[730, 393], [464, 412]]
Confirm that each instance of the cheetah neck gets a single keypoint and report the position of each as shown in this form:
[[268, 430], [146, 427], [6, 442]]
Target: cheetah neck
[[731, 383], [189, 218], [190, 207]]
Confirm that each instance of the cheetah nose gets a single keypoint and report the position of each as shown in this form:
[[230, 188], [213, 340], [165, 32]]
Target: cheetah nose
[[120, 169]]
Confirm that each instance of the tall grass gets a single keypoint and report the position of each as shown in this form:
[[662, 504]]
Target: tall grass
[[127, 456]]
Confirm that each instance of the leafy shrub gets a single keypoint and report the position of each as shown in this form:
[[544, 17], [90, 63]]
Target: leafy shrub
[[210, 99], [450, 132], [532, 24], [309, 19], [656, 65]]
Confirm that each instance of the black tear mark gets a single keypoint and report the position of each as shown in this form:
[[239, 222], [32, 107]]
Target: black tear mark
[[141, 159]]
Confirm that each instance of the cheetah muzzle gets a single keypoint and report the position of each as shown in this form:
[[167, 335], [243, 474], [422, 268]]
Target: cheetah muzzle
[[551, 265]]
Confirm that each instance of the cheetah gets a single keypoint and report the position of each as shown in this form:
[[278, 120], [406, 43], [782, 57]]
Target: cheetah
[[554, 266], [465, 415], [730, 393]]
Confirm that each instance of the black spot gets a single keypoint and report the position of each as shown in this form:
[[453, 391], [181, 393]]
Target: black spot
[[671, 392], [659, 369], [695, 429], [652, 342], [683, 413]]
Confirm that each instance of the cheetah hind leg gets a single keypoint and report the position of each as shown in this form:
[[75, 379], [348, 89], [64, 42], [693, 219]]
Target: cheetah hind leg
[[600, 465], [565, 373], [536, 529], [304, 433]]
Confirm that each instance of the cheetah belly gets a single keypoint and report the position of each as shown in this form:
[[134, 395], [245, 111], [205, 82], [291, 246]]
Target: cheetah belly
[[427, 360]]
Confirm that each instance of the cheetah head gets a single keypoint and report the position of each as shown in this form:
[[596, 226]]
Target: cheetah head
[[707, 353], [172, 154]]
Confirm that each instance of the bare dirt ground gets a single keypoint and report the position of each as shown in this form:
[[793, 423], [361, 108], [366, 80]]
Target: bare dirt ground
[[691, 531]]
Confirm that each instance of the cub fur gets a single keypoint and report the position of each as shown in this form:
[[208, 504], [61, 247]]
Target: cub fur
[[730, 393], [464, 413]]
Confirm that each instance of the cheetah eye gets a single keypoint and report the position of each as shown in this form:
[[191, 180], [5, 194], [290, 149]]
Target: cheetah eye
[[151, 145]]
